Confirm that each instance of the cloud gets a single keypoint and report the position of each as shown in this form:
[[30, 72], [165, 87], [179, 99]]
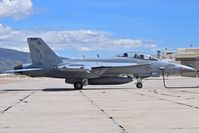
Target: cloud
[[128, 43], [15, 8], [150, 46], [84, 49], [82, 40]]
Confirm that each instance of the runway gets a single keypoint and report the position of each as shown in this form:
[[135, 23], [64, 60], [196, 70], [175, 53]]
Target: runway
[[43, 105]]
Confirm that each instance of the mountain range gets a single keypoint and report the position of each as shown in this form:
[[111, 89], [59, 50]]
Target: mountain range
[[10, 58]]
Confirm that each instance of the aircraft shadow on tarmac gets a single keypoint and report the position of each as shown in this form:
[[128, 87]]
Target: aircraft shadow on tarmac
[[72, 89], [60, 89], [44, 90]]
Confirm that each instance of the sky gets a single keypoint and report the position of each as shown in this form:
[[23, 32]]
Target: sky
[[106, 27]]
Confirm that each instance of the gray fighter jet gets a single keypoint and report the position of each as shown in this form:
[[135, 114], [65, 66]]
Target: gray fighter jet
[[120, 69]]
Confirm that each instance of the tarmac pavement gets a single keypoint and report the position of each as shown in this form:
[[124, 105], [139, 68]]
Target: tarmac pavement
[[43, 105]]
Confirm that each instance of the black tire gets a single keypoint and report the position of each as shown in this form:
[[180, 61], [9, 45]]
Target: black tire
[[78, 86], [139, 85]]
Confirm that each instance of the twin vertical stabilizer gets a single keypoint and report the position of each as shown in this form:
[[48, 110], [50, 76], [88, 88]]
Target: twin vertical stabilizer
[[41, 54]]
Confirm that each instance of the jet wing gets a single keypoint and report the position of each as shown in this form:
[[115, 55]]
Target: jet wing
[[124, 68], [22, 70], [89, 66], [119, 65]]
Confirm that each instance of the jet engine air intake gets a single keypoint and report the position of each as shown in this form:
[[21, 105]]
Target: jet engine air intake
[[17, 68]]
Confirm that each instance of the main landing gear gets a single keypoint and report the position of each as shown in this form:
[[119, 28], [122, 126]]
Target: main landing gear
[[78, 86], [77, 83]]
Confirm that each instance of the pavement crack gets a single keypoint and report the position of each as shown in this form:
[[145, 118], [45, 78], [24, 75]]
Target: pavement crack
[[6, 109], [20, 100], [164, 94], [122, 129], [164, 99]]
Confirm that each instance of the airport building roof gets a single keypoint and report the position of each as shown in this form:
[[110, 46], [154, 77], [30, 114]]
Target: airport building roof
[[187, 53]]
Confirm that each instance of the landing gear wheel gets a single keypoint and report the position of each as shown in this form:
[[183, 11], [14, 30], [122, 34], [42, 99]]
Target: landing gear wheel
[[139, 85], [78, 86]]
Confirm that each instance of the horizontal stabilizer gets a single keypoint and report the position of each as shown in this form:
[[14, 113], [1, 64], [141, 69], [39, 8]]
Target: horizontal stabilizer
[[23, 70]]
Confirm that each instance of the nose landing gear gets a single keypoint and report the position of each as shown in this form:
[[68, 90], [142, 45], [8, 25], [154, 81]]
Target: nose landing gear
[[139, 83]]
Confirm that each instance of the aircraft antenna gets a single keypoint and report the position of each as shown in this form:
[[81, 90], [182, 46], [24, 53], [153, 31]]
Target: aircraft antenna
[[83, 56], [98, 56]]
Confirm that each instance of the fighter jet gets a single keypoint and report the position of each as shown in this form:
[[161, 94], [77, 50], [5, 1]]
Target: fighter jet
[[120, 69]]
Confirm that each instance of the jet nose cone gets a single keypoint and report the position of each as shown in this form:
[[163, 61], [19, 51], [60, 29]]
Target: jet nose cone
[[186, 69]]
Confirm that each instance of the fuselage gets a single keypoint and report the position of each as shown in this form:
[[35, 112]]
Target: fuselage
[[154, 68]]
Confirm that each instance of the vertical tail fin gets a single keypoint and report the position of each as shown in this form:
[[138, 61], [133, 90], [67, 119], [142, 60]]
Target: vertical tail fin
[[41, 54]]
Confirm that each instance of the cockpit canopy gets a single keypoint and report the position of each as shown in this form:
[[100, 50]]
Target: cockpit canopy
[[138, 55]]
